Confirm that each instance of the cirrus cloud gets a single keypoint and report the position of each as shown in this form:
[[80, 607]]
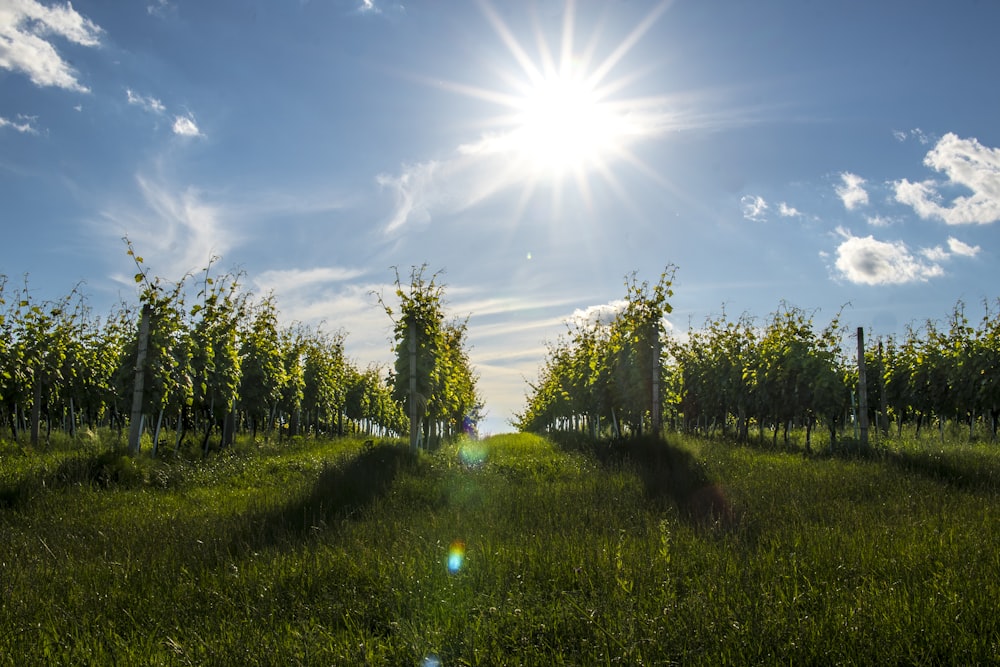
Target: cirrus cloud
[[23, 124], [147, 102], [178, 225]]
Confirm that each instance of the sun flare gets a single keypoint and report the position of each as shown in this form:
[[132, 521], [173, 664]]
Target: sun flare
[[567, 115], [561, 124]]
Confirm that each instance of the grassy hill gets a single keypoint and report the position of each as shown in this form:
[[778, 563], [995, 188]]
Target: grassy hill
[[511, 550]]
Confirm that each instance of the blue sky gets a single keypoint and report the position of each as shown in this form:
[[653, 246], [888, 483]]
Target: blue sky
[[818, 153]]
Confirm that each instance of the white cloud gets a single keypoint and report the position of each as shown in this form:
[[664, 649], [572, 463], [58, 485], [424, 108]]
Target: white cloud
[[963, 249], [23, 124], [602, 314], [176, 226], [867, 261], [935, 254], [852, 192], [754, 207], [26, 25], [415, 190], [186, 127], [293, 279], [368, 7], [160, 8], [955, 248], [967, 164], [915, 133], [878, 220], [147, 102], [450, 185], [786, 211]]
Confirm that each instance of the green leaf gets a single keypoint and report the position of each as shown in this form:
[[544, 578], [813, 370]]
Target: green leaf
[[139, 277]]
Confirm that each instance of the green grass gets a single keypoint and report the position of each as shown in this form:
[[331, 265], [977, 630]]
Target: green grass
[[338, 553]]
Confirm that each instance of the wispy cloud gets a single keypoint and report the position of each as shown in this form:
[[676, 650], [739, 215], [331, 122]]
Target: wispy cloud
[[754, 208], [23, 124], [879, 220], [26, 28], [915, 133], [160, 8], [852, 192], [296, 279], [186, 127], [177, 226], [147, 102], [416, 191], [967, 164], [868, 261], [333, 297], [384, 8]]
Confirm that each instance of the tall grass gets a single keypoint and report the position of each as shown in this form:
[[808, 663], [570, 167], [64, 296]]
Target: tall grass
[[513, 550]]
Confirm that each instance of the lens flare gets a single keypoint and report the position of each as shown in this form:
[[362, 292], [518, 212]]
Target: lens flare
[[456, 556], [472, 453]]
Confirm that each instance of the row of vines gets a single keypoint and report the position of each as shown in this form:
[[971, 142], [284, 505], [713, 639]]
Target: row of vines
[[217, 362], [748, 378]]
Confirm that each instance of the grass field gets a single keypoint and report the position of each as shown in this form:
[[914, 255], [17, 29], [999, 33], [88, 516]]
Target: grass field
[[507, 551]]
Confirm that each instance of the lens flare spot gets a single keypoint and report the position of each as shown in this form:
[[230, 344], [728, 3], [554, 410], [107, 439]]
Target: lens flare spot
[[472, 453], [431, 661], [456, 556]]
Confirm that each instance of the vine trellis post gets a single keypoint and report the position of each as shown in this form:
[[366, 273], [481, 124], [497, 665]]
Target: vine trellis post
[[135, 419], [414, 422], [862, 389]]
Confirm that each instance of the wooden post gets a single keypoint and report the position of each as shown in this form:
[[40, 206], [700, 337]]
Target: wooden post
[[36, 403], [862, 389], [656, 411], [414, 426], [883, 408], [135, 420]]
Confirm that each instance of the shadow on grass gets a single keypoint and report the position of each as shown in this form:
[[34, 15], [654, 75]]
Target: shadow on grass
[[342, 489], [113, 468], [963, 470], [669, 474]]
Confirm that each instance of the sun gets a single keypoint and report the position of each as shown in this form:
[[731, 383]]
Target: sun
[[565, 119], [565, 113], [561, 124]]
